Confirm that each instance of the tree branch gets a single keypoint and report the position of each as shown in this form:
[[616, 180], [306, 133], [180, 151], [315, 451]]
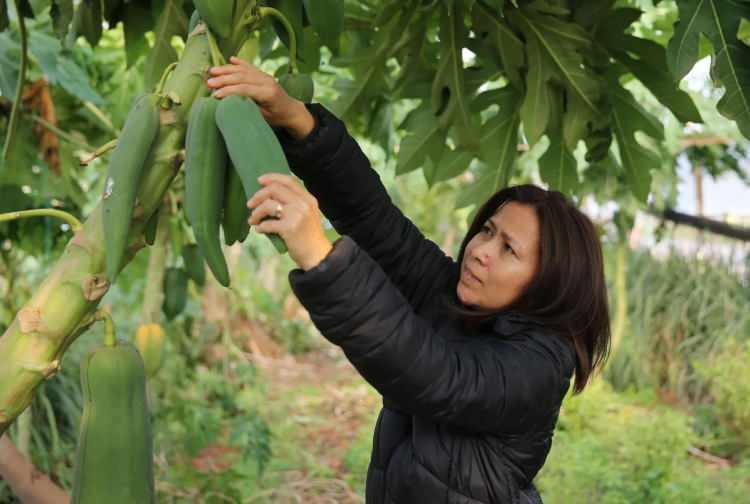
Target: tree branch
[[713, 226]]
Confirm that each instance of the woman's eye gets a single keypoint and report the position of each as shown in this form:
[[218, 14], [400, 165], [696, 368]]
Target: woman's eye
[[486, 228], [509, 248]]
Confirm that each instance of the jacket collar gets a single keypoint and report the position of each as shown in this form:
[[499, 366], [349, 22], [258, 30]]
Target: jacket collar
[[510, 323]]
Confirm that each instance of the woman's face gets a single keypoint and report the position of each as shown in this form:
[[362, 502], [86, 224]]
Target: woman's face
[[502, 259]]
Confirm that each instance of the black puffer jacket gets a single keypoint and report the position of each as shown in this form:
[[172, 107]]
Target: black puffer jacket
[[468, 417]]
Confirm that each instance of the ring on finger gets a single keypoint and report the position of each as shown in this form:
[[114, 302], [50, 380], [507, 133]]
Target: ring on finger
[[279, 210]]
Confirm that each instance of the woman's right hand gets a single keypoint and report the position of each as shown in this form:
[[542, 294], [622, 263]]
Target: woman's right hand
[[241, 78]]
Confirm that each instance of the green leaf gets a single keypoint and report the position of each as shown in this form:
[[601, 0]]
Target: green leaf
[[647, 60], [554, 51], [628, 116], [449, 100], [491, 27], [60, 69], [425, 138], [10, 52], [719, 21], [501, 132], [452, 163], [62, 14], [172, 21], [327, 18], [558, 167], [136, 22], [4, 21]]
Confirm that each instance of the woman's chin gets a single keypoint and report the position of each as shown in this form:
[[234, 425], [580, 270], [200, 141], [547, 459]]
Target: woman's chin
[[464, 296]]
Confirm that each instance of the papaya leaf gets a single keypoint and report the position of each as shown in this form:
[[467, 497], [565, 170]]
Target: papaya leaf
[[136, 22], [555, 52], [502, 131], [172, 21], [449, 99], [4, 21], [424, 138], [558, 166], [719, 21], [60, 69], [647, 61], [628, 116], [491, 27], [452, 163], [327, 19], [61, 12]]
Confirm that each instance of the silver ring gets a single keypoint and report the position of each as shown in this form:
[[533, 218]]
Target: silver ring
[[279, 209]]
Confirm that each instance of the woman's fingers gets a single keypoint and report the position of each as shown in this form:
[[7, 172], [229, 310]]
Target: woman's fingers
[[277, 192], [285, 180], [268, 208]]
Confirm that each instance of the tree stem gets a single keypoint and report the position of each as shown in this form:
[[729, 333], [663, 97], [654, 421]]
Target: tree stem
[[270, 11], [74, 223]]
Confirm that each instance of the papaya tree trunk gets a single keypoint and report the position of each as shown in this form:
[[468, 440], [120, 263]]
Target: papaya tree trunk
[[64, 304]]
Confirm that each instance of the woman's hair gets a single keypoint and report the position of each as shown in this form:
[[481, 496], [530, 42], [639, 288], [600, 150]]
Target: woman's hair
[[569, 292]]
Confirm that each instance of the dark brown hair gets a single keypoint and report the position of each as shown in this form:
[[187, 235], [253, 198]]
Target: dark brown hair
[[568, 293]]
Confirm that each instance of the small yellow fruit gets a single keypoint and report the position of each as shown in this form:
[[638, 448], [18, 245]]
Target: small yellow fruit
[[150, 340]]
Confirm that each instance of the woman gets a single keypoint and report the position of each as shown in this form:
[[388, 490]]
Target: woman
[[472, 357]]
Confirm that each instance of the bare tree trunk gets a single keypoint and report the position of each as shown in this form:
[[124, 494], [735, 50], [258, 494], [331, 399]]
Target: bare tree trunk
[[29, 485]]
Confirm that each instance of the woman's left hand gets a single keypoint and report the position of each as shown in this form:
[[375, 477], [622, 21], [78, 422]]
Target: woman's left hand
[[295, 217]]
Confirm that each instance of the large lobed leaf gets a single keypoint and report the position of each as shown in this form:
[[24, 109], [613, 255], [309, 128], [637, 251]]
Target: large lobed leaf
[[719, 21]]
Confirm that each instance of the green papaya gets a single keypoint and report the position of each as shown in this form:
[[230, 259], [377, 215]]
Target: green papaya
[[218, 15], [175, 292], [299, 86], [193, 260], [123, 175], [252, 145], [205, 170], [235, 214], [114, 457], [249, 49], [151, 225]]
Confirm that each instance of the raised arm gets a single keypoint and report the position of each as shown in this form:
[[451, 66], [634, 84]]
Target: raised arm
[[351, 195], [482, 383]]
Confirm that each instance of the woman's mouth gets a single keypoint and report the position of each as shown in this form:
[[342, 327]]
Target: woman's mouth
[[469, 278]]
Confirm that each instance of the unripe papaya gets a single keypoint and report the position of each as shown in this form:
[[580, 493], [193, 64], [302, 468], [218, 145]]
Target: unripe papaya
[[123, 175], [299, 86], [151, 225], [175, 292], [114, 458], [236, 213], [205, 169], [252, 145], [249, 49], [150, 340], [218, 15], [193, 260]]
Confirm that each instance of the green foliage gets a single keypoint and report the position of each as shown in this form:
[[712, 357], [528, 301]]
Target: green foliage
[[618, 448], [719, 21], [728, 409]]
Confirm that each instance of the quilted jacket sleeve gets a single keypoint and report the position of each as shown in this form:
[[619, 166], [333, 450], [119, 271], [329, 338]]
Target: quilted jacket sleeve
[[484, 385], [350, 194]]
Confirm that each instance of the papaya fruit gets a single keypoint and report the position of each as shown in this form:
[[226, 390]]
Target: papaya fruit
[[249, 49], [150, 340], [175, 292], [123, 175], [151, 225], [205, 170], [114, 456], [299, 86], [235, 214], [252, 145], [218, 15], [193, 260], [195, 18]]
